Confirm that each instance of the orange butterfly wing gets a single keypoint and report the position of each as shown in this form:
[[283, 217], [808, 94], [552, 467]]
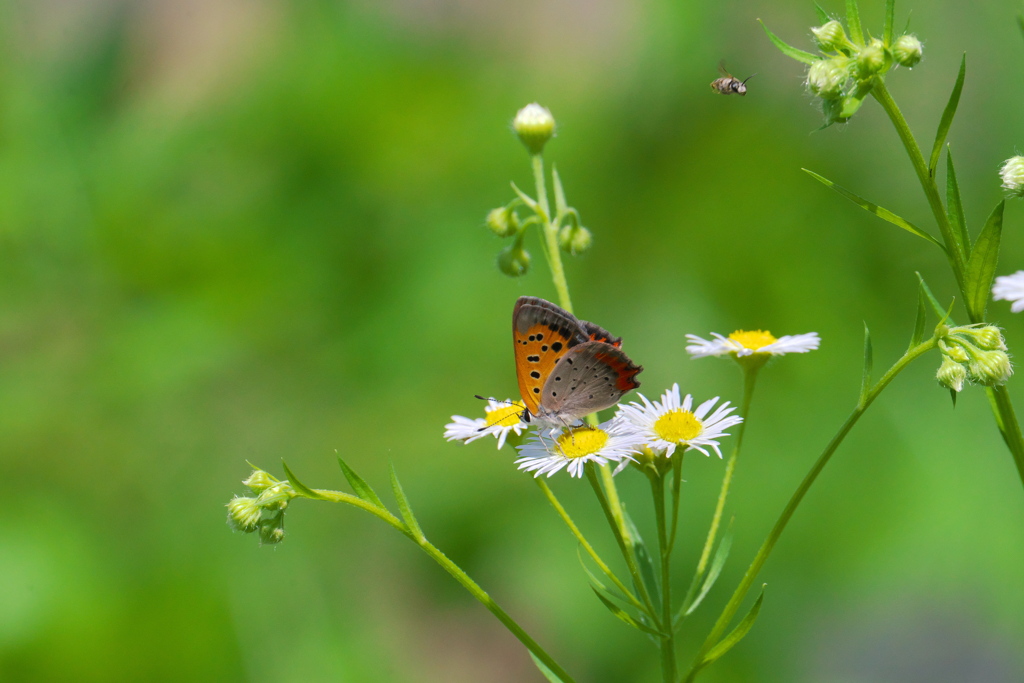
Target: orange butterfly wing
[[541, 334]]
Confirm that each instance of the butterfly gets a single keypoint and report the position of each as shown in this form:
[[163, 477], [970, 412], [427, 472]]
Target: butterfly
[[567, 368], [729, 84]]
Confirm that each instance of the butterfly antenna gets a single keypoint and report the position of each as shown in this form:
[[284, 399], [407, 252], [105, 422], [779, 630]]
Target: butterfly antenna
[[522, 417]]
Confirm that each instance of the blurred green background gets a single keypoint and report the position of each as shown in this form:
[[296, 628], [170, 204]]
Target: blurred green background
[[240, 230]]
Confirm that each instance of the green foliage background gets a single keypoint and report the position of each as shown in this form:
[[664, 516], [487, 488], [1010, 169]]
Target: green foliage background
[[238, 231]]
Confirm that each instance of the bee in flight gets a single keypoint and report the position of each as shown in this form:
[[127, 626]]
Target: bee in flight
[[729, 84]]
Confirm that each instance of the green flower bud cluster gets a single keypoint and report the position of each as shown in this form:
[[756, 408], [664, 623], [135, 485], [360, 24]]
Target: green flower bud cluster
[[845, 75], [974, 353], [264, 512], [534, 125]]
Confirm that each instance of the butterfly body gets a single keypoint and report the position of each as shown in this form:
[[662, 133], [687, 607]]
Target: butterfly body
[[567, 368]]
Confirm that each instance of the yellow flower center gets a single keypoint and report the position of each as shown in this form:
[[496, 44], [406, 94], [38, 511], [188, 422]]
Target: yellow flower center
[[754, 339], [678, 426], [505, 416], [581, 442]]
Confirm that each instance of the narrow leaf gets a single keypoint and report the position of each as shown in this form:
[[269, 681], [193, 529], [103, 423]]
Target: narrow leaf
[[955, 209], [788, 50], [560, 205], [865, 381], [822, 14], [716, 569], [597, 584], [875, 209], [643, 559], [403, 506], [622, 615], [298, 485], [361, 488], [853, 21], [922, 316], [548, 673], [737, 634], [890, 17], [947, 117], [527, 199], [941, 313], [981, 269], [952, 395]]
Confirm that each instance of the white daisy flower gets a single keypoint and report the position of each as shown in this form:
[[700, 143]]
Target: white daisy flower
[[549, 450], [743, 343], [671, 423], [500, 418], [1010, 288]]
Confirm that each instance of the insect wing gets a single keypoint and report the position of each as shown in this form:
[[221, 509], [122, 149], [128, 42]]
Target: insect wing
[[591, 376], [542, 334]]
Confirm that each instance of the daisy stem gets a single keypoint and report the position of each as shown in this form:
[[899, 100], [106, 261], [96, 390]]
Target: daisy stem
[[750, 371], [999, 398], [586, 544], [780, 525], [625, 545], [549, 230], [455, 571], [668, 644]]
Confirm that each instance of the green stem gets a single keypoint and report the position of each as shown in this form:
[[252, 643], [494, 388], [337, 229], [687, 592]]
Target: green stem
[[1002, 408], [668, 645], [586, 545], [769, 543], [750, 372], [625, 545], [931, 191], [456, 572]]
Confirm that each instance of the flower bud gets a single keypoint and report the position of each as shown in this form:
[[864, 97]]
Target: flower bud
[[870, 60], [831, 36], [826, 77], [276, 497], [259, 481], [907, 50], [502, 222], [574, 239], [988, 338], [513, 260], [951, 374], [535, 126], [243, 514], [991, 368], [954, 352], [1012, 174], [272, 530]]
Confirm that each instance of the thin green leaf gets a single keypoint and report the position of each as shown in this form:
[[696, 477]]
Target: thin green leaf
[[596, 581], [716, 569], [737, 634], [643, 559], [981, 269], [952, 395], [906, 29], [560, 204], [875, 209], [548, 673], [922, 316], [527, 199], [361, 488], [947, 117], [955, 209], [403, 506], [940, 312], [890, 17], [789, 50], [822, 14], [303, 490], [865, 380], [853, 22], [622, 615]]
